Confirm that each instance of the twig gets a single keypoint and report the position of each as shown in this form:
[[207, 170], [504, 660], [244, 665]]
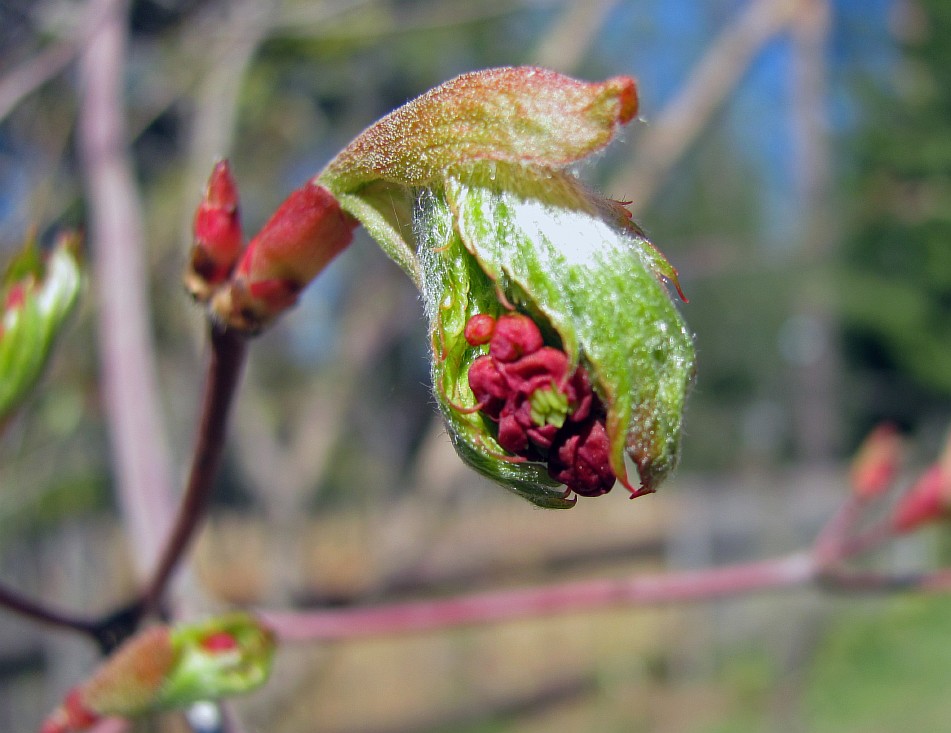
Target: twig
[[11, 600], [111, 725], [129, 381], [480, 608], [823, 564], [108, 632], [49, 62], [571, 36], [679, 124], [829, 546], [32, 74], [224, 371]]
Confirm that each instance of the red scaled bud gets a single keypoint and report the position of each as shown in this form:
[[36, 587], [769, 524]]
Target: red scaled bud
[[218, 238], [876, 462], [928, 500], [126, 682], [306, 232]]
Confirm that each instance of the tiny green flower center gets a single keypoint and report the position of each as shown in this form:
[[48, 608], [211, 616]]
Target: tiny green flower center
[[549, 406]]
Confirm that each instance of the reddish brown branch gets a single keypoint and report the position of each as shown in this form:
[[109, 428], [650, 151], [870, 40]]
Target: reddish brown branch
[[228, 350], [12, 601]]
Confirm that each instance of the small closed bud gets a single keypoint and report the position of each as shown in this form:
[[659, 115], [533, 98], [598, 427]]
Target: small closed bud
[[928, 500], [37, 294], [558, 353], [217, 231], [305, 233], [170, 667], [876, 463]]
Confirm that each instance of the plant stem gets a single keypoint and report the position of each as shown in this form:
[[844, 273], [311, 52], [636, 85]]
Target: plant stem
[[11, 600], [228, 350], [694, 585]]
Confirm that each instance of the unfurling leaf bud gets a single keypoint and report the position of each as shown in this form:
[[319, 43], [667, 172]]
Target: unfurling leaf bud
[[170, 667], [558, 353], [305, 233], [37, 295], [218, 239]]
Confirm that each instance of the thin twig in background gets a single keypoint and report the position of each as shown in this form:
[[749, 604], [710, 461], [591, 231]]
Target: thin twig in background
[[38, 70], [129, 380], [111, 725], [572, 35], [815, 380], [32, 74], [237, 38], [675, 128]]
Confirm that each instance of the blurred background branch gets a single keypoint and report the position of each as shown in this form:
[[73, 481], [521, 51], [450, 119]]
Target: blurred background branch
[[116, 233]]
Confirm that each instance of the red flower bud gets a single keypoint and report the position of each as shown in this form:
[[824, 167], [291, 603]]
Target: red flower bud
[[581, 460], [71, 716], [479, 329], [515, 335], [217, 231], [126, 682], [306, 232], [928, 500], [876, 462]]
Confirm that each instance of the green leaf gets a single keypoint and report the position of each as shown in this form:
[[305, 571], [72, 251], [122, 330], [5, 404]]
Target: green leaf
[[28, 328]]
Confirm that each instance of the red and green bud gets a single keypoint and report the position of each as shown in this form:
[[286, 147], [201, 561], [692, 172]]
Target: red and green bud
[[558, 351], [167, 667], [217, 235], [37, 294], [305, 233]]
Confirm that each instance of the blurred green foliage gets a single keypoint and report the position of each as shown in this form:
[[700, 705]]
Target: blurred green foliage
[[896, 281]]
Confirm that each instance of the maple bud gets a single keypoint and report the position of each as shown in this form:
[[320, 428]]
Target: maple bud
[[166, 667], [37, 295], [306, 232], [876, 463], [928, 500], [557, 350], [217, 232]]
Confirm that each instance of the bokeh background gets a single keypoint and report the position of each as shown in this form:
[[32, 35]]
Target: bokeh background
[[793, 160]]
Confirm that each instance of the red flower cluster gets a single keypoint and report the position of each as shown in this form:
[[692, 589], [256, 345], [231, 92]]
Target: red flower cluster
[[544, 413]]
